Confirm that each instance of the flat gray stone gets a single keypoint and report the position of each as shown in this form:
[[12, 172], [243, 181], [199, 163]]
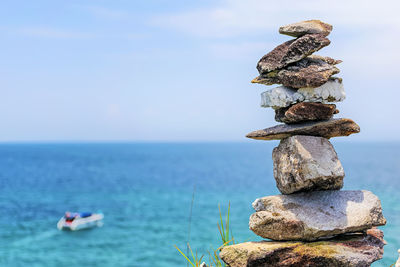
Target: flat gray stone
[[306, 163], [312, 71], [327, 129], [281, 97], [313, 215], [291, 51], [355, 250], [306, 27]]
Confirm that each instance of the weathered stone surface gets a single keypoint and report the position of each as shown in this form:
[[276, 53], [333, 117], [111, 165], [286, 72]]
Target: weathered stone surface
[[397, 264], [306, 163], [328, 60], [312, 71], [355, 250], [306, 27], [305, 111], [327, 129], [280, 97], [291, 51], [331, 91], [312, 215]]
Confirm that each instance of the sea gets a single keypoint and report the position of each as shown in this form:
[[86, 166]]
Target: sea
[[156, 196]]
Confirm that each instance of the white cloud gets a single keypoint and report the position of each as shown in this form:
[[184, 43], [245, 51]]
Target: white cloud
[[238, 50], [218, 22], [107, 13], [372, 55], [57, 33], [54, 33], [236, 17], [366, 33]]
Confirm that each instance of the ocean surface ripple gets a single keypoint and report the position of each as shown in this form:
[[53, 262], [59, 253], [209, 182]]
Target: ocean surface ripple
[[145, 192]]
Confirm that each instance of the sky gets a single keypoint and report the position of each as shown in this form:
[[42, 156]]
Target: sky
[[160, 70]]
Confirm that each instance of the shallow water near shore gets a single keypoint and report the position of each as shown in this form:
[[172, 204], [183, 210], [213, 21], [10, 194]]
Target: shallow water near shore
[[145, 191]]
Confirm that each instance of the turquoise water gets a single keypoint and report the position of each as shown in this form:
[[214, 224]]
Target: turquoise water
[[145, 192]]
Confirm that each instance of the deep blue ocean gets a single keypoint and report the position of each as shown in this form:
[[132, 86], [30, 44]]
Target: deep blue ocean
[[145, 192]]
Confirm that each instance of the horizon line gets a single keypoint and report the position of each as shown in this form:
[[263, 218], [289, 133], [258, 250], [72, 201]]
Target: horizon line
[[113, 141]]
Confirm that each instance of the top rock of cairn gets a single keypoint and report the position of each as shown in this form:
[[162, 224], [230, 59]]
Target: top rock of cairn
[[306, 27]]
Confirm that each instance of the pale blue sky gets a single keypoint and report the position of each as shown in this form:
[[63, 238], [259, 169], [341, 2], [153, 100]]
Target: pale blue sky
[[179, 70]]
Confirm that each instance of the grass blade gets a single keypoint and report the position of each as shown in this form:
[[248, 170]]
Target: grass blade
[[222, 223], [190, 221], [191, 251], [183, 254]]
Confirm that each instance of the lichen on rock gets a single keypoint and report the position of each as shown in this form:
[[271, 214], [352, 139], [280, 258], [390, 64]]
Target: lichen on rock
[[312, 71], [354, 250]]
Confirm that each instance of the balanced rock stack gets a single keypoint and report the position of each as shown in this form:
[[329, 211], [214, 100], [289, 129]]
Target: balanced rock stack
[[312, 223]]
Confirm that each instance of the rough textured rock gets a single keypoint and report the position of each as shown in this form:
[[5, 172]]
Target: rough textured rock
[[312, 71], [312, 215], [328, 60], [305, 111], [291, 51], [306, 163], [327, 129], [331, 91], [281, 97], [306, 27], [278, 97], [355, 250], [397, 264]]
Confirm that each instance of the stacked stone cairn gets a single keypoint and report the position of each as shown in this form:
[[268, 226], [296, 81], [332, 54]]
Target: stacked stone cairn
[[313, 222]]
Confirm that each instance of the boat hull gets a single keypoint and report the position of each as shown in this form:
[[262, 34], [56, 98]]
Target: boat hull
[[95, 220]]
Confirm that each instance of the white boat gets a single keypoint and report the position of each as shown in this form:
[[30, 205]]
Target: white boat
[[77, 221]]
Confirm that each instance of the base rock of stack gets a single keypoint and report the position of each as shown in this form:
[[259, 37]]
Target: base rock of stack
[[327, 129], [312, 71], [305, 111], [306, 163], [291, 51], [355, 250], [313, 215], [280, 97], [306, 27]]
